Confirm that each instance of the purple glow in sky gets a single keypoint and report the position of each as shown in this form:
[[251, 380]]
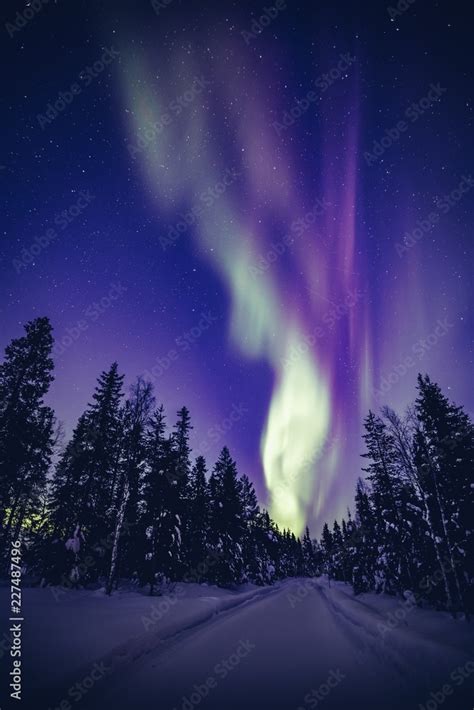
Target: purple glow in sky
[[275, 227]]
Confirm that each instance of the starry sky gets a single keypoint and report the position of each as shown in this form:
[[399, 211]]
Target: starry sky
[[264, 208]]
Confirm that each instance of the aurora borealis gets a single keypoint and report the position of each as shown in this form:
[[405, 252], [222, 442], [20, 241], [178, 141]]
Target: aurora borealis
[[283, 206]]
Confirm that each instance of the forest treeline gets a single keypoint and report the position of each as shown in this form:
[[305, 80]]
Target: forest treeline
[[124, 499]]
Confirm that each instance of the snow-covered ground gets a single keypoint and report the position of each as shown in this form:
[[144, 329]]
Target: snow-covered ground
[[299, 644]]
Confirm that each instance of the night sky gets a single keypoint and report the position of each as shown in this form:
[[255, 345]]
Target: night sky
[[271, 220]]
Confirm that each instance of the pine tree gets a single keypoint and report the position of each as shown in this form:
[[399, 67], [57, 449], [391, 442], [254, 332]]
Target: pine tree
[[250, 512], [180, 437], [198, 512], [286, 566], [445, 460], [65, 502], [308, 555], [266, 557], [227, 526], [26, 425], [421, 543], [160, 523], [125, 500], [327, 553], [133, 460], [392, 569], [364, 542], [348, 551], [300, 569], [180, 478], [86, 479], [106, 431], [338, 557]]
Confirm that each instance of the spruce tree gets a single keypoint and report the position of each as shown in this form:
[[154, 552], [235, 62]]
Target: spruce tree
[[26, 425], [264, 564], [364, 541], [445, 460], [338, 556], [197, 515], [250, 512], [349, 536], [65, 503], [131, 468], [392, 571], [180, 438], [308, 554], [86, 480], [160, 523], [327, 550], [106, 432], [227, 521], [421, 545], [180, 479]]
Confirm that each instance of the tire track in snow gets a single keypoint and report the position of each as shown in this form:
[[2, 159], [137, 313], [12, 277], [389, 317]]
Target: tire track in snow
[[384, 650], [128, 652]]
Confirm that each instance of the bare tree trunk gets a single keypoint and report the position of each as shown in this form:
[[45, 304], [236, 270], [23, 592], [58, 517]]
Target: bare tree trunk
[[405, 451], [117, 535], [448, 541], [447, 538]]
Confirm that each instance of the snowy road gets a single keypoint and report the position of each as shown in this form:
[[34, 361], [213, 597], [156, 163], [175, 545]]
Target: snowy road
[[300, 645]]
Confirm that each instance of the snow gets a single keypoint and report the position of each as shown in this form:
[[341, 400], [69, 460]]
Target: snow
[[89, 625], [257, 647]]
